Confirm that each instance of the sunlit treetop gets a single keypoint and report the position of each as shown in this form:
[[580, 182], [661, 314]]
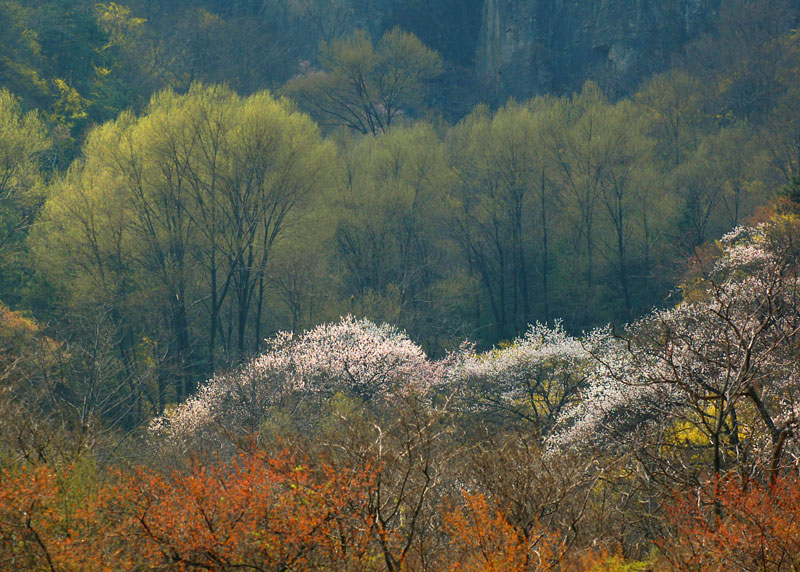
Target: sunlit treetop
[[722, 363], [354, 357]]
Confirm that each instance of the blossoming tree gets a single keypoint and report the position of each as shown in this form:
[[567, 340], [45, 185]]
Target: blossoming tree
[[533, 379], [715, 377], [356, 357]]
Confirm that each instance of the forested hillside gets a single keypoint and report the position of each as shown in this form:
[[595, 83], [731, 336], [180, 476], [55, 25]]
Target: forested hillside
[[295, 285]]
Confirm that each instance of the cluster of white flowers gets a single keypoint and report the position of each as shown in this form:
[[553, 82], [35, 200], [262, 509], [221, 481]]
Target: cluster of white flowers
[[622, 385], [355, 355], [745, 248], [534, 377], [352, 356], [730, 342]]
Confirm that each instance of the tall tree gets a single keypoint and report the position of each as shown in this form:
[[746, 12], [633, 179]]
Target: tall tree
[[673, 103], [23, 142], [172, 216], [367, 87], [391, 239], [506, 201]]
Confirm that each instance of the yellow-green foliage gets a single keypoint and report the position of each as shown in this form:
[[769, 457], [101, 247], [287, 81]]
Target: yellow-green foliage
[[364, 86], [154, 178], [390, 211], [23, 142], [618, 564], [23, 137], [118, 22]]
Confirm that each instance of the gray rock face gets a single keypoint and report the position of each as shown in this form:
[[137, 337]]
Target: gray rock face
[[530, 47]]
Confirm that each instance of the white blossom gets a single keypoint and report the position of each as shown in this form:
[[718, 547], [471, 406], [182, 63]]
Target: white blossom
[[724, 358], [533, 378], [374, 362]]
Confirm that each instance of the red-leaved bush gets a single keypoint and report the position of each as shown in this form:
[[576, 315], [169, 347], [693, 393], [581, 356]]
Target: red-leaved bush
[[259, 513], [734, 526]]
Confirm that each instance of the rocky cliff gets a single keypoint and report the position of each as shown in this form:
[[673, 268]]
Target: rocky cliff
[[529, 47]]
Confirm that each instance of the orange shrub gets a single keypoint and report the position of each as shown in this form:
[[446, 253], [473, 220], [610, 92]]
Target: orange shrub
[[483, 540], [260, 513], [732, 525], [32, 526]]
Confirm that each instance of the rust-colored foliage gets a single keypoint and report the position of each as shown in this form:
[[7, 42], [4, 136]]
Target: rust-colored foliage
[[259, 513], [280, 513], [734, 526], [50, 521], [484, 540], [32, 531]]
